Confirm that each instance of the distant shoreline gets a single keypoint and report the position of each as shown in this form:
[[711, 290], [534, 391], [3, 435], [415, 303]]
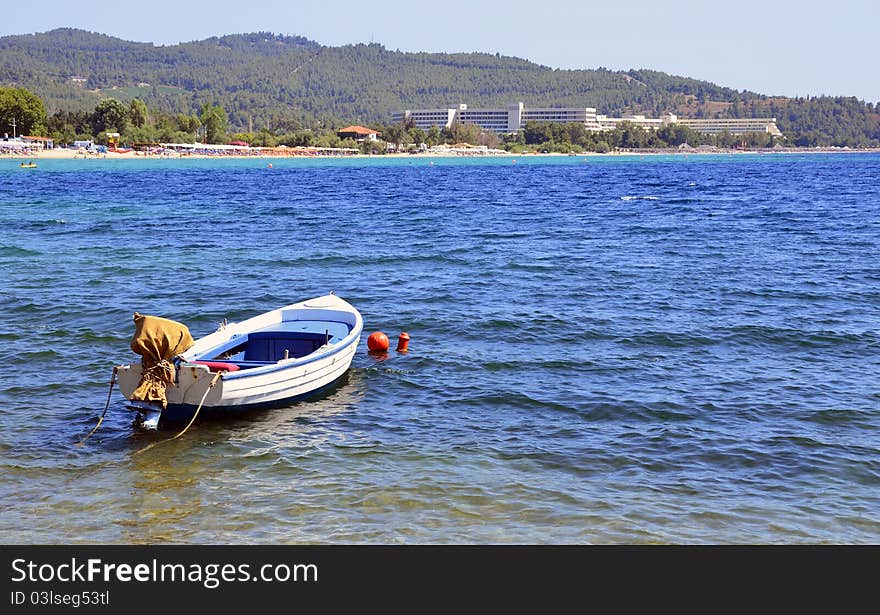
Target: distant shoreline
[[68, 154]]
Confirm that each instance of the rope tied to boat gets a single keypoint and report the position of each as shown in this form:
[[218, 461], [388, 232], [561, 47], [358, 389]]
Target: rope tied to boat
[[166, 367], [154, 379], [106, 406], [158, 341], [214, 380]]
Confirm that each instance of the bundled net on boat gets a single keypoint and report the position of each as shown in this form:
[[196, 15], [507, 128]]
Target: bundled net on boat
[[158, 341]]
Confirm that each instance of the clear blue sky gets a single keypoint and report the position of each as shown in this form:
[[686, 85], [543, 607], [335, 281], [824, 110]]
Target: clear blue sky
[[782, 47]]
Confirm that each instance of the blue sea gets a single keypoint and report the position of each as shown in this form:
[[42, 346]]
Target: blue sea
[[620, 349]]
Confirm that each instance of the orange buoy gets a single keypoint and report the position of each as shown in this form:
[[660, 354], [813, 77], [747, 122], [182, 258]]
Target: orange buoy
[[270, 165], [377, 342], [403, 342]]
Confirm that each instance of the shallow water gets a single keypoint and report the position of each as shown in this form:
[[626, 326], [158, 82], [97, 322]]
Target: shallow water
[[604, 350]]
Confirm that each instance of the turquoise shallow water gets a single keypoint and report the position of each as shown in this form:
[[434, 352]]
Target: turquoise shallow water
[[604, 350]]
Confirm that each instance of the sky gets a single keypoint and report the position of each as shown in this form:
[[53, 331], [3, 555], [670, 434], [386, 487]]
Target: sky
[[774, 47]]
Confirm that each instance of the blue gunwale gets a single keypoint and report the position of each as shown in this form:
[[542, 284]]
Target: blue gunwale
[[308, 326], [273, 367]]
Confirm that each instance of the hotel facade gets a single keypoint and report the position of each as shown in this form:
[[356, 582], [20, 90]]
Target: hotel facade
[[508, 119], [514, 117]]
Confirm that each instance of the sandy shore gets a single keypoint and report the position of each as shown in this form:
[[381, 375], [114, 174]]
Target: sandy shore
[[60, 154], [69, 154]]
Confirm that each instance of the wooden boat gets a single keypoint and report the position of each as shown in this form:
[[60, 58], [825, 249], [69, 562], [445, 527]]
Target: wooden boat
[[266, 361]]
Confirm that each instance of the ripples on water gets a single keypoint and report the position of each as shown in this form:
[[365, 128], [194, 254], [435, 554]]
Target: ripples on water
[[606, 350]]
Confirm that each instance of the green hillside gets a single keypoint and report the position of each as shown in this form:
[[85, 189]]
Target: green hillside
[[283, 82]]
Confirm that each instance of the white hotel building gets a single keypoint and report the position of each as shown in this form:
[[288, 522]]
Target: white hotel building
[[514, 117], [509, 119], [733, 125]]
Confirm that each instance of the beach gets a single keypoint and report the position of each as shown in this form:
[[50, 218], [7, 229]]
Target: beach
[[68, 153]]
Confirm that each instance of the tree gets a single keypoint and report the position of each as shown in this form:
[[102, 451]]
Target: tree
[[676, 134], [416, 134], [23, 110], [373, 147], [137, 111], [63, 134], [397, 134], [301, 138], [433, 137], [465, 132], [628, 135], [187, 123], [139, 135], [110, 116], [537, 132], [215, 120], [726, 139], [577, 134], [263, 138], [328, 140], [63, 126]]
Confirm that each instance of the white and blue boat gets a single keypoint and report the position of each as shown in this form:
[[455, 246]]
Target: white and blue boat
[[267, 361]]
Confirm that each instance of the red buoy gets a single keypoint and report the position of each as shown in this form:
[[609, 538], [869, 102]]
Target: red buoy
[[403, 342], [377, 342]]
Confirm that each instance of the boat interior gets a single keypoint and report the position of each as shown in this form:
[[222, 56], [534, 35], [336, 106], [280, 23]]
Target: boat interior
[[289, 340]]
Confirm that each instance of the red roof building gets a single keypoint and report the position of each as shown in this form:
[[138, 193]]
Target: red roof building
[[46, 142], [358, 133]]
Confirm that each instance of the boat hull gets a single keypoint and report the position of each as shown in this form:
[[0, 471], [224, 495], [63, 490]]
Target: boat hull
[[152, 416]]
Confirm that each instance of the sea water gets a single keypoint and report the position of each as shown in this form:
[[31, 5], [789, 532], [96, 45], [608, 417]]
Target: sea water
[[619, 349]]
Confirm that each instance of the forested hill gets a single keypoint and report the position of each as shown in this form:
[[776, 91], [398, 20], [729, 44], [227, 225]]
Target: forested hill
[[290, 82]]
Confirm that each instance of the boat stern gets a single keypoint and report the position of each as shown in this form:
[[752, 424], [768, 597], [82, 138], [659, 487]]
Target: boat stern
[[191, 387]]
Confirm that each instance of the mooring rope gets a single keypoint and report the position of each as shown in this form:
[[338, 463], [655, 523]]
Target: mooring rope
[[191, 421], [106, 407]]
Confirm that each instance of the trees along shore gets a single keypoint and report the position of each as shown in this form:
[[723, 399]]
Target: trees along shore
[[21, 112]]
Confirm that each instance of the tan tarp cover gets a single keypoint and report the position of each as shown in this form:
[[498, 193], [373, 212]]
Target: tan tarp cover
[[157, 340]]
